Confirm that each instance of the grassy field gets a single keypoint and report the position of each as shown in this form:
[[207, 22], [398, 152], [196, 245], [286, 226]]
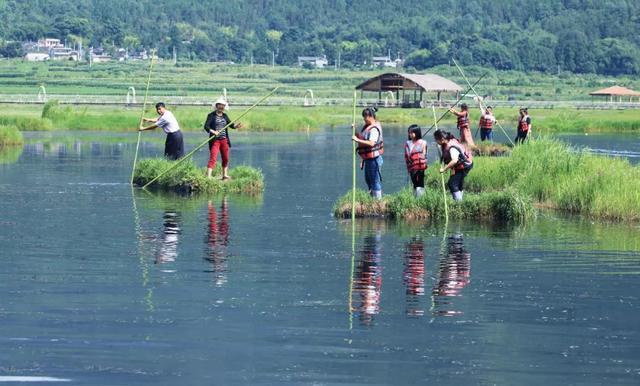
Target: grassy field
[[272, 118], [208, 79]]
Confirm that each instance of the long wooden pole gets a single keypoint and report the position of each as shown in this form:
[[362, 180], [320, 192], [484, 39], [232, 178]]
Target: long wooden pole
[[353, 212], [453, 105], [144, 107], [178, 162], [444, 190], [479, 101]]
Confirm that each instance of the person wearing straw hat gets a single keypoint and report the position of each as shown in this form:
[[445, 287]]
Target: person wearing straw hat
[[174, 145], [217, 125]]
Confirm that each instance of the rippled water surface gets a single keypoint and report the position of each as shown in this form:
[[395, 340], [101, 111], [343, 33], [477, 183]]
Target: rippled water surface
[[102, 284]]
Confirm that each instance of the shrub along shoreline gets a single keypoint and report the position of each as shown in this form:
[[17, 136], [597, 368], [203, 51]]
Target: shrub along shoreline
[[543, 173]]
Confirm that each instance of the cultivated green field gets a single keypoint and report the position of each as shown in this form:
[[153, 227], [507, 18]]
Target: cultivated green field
[[207, 80]]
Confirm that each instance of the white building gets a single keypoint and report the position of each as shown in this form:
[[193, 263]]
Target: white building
[[316, 61], [383, 61], [36, 57], [49, 43], [63, 53]]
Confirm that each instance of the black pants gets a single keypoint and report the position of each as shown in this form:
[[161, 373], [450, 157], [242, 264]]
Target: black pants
[[522, 136], [174, 146], [456, 181], [417, 178]]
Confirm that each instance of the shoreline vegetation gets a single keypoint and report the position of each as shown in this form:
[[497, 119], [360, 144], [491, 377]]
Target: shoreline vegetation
[[53, 116], [544, 173], [10, 136], [187, 178]]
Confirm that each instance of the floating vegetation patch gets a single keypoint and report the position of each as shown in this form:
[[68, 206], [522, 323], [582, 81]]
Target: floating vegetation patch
[[508, 205], [187, 178]]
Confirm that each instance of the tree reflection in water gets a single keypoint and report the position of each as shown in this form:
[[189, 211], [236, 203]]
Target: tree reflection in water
[[453, 275], [217, 241]]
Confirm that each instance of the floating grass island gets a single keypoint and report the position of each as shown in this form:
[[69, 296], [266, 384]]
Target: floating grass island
[[187, 178], [545, 173]]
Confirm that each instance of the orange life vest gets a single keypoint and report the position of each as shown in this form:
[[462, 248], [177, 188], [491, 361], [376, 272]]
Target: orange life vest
[[366, 151], [485, 123], [463, 120], [522, 123], [465, 159], [414, 156]]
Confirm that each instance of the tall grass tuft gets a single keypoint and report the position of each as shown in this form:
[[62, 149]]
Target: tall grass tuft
[[188, 178], [10, 136]]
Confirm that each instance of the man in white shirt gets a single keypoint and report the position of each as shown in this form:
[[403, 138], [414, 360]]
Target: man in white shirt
[[174, 145]]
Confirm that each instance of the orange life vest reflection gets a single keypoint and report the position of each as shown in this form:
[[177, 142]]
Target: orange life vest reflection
[[413, 275], [367, 280], [454, 273], [168, 250], [217, 241]]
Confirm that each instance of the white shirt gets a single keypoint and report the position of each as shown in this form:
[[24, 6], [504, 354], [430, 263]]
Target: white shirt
[[168, 122], [455, 154]]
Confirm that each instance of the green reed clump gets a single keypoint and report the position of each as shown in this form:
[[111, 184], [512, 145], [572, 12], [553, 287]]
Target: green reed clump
[[508, 205], [561, 177], [10, 136], [188, 178]]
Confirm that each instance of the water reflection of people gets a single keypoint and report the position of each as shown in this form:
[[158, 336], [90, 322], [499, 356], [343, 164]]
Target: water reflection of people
[[217, 241], [413, 275], [168, 251], [367, 280], [454, 274]]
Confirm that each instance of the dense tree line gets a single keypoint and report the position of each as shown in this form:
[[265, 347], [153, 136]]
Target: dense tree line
[[582, 36]]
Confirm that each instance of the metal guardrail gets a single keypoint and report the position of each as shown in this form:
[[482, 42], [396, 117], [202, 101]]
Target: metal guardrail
[[117, 100]]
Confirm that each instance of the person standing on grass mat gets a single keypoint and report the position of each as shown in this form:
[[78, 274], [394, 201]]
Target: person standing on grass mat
[[455, 157], [463, 124], [524, 126], [487, 121], [174, 145], [370, 149], [217, 125], [415, 155]]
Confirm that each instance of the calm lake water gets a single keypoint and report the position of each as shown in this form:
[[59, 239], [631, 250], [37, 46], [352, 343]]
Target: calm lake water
[[105, 285]]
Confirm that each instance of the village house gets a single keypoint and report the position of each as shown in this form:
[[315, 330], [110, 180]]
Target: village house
[[315, 61]]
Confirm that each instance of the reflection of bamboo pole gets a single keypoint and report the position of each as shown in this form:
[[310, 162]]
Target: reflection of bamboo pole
[[144, 106], [479, 101], [353, 214], [178, 162], [144, 267], [444, 191]]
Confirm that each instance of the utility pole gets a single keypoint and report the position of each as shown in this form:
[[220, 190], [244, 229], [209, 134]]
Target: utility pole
[[273, 58]]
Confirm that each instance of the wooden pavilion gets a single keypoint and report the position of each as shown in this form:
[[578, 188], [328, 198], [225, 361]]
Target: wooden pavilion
[[618, 92], [409, 89]]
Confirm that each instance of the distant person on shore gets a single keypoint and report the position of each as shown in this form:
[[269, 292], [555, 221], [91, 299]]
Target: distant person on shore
[[370, 149], [174, 145], [463, 124], [524, 126], [487, 120], [217, 125], [455, 157], [415, 155]]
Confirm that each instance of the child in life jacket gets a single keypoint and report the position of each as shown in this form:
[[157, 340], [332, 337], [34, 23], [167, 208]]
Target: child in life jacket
[[415, 155], [370, 148], [455, 157]]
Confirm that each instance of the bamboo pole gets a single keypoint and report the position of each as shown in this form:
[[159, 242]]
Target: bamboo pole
[[479, 101], [178, 162], [144, 106], [444, 190], [454, 105]]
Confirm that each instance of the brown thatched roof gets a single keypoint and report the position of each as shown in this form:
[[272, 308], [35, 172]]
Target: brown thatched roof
[[616, 91], [396, 81]]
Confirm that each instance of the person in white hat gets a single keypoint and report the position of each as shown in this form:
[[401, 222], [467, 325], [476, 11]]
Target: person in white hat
[[217, 125]]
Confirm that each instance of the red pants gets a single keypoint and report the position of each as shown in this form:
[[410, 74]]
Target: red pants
[[221, 145]]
